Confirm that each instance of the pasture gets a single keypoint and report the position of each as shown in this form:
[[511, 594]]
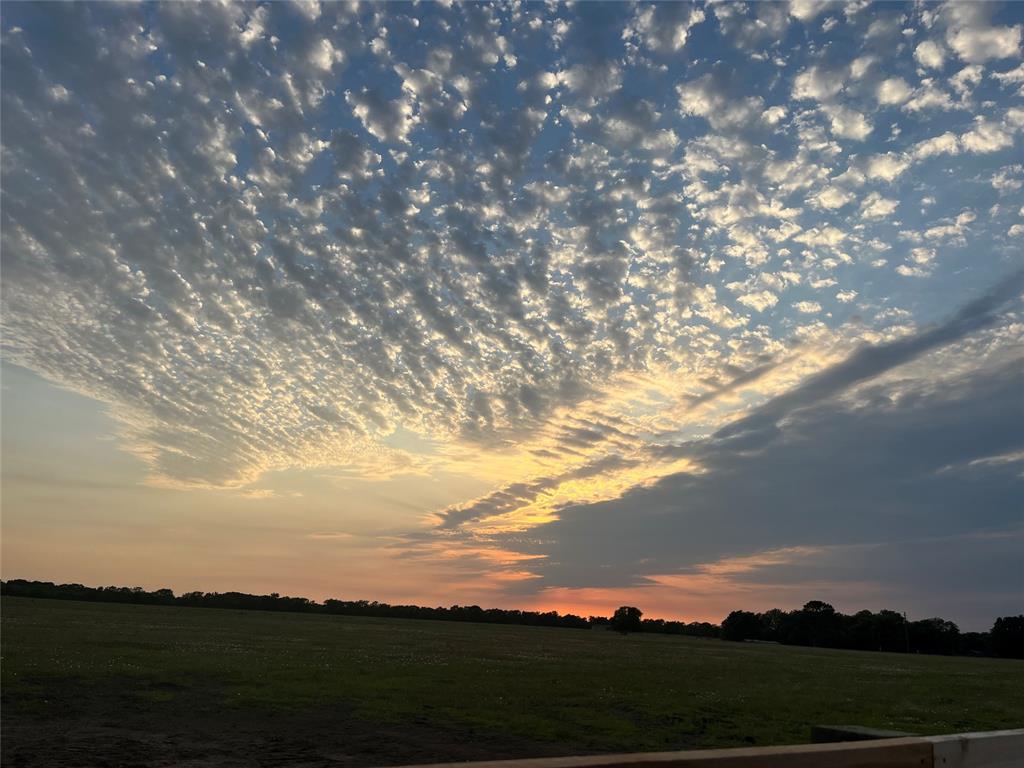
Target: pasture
[[124, 685]]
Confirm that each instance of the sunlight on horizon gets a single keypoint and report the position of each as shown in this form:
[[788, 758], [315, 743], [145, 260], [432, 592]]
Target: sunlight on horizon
[[690, 307]]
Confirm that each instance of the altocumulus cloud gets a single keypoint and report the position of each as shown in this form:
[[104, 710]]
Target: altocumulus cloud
[[268, 235]]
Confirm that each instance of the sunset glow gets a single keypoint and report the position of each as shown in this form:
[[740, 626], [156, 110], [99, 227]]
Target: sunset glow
[[688, 307]]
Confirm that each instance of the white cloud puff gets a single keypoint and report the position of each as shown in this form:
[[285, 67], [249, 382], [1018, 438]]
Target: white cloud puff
[[664, 27], [874, 206], [848, 123], [980, 45], [759, 300], [1010, 76], [832, 198], [887, 167], [893, 90], [807, 307], [930, 53], [985, 137], [974, 39], [818, 83]]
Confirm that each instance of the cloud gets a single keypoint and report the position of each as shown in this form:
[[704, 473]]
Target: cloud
[[282, 274], [974, 39], [1010, 76], [874, 206], [592, 82], [709, 97], [986, 137], [664, 27], [893, 90], [386, 119], [759, 300], [848, 123], [266, 236], [330, 536], [515, 496], [749, 31], [791, 473], [808, 10], [946, 144], [971, 575], [887, 167], [929, 96], [654, 282], [774, 115], [807, 307], [930, 53], [919, 264], [833, 197], [819, 83]]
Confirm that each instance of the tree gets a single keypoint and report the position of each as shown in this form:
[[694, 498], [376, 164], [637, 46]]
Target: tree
[[774, 625], [1008, 637], [892, 631], [819, 607], [862, 631], [741, 625], [818, 624], [627, 619], [934, 636]]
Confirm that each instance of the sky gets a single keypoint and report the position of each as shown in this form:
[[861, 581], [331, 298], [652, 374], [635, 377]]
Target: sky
[[689, 307]]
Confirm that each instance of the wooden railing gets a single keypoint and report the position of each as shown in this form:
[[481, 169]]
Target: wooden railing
[[994, 749]]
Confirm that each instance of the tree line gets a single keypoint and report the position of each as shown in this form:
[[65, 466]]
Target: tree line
[[276, 602], [819, 624], [816, 624]]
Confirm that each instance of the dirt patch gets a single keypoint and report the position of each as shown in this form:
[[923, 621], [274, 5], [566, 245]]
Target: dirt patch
[[90, 732]]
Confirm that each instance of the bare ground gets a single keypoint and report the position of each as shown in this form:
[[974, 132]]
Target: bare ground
[[89, 731]]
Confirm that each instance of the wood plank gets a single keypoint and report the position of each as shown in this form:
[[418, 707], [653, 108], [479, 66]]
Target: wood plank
[[887, 753], [995, 749]]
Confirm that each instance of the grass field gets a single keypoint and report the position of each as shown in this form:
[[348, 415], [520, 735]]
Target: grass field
[[122, 685]]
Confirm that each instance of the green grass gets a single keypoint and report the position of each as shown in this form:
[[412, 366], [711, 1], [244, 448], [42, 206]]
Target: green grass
[[583, 690]]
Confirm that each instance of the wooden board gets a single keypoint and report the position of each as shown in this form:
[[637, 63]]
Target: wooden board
[[886, 753], [996, 749]]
